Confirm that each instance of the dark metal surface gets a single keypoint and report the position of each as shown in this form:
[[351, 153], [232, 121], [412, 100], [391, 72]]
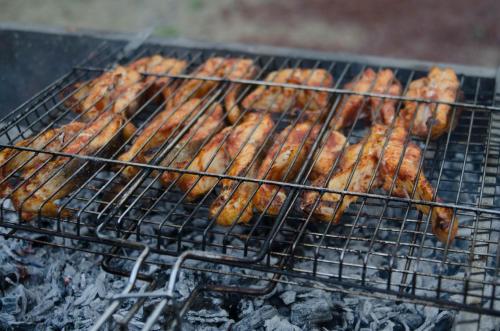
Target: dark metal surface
[[379, 233]]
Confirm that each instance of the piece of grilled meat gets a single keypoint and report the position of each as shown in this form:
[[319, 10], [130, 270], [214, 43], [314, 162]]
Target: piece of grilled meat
[[282, 163], [218, 67], [357, 170], [13, 161], [43, 184], [165, 124], [440, 85], [324, 160], [213, 158], [279, 99], [376, 110], [402, 182], [248, 136], [159, 65]]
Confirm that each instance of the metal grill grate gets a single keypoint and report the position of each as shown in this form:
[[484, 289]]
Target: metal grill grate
[[383, 244]]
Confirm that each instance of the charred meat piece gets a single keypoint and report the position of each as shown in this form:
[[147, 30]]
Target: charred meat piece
[[279, 99], [322, 167], [408, 159], [218, 67], [213, 158], [282, 163], [353, 175], [440, 85], [376, 110], [61, 175], [248, 136], [158, 65], [185, 150], [161, 128], [12, 161]]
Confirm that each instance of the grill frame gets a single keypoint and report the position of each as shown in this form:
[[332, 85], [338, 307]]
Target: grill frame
[[266, 264]]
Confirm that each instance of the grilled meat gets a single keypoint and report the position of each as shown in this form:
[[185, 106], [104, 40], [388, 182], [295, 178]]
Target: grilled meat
[[376, 110], [248, 136], [213, 158], [44, 184], [322, 167], [12, 161], [282, 163], [279, 99], [161, 128], [443, 222], [158, 65], [220, 68], [440, 85], [352, 176]]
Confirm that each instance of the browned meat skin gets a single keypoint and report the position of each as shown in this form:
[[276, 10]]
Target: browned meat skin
[[443, 223], [324, 161], [289, 158], [213, 158], [159, 65], [160, 129], [360, 175], [12, 160], [377, 110], [440, 85], [30, 199], [218, 67], [255, 128], [185, 151], [278, 99]]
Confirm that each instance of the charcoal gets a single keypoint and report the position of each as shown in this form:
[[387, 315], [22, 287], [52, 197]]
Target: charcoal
[[314, 310], [10, 305], [245, 307], [412, 320], [212, 316], [444, 321], [288, 297], [278, 323], [256, 319]]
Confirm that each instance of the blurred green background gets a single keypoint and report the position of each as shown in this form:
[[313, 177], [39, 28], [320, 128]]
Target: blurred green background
[[459, 31]]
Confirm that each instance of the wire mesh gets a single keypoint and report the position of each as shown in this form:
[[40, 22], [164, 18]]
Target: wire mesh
[[383, 243]]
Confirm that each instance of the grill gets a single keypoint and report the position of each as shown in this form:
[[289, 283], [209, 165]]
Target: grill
[[382, 247]]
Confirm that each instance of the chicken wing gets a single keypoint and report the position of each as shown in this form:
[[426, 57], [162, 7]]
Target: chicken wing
[[285, 157], [229, 207], [377, 110], [60, 176], [218, 67], [352, 176], [440, 85], [324, 161], [158, 65], [161, 129], [408, 160], [279, 99], [12, 160], [213, 158]]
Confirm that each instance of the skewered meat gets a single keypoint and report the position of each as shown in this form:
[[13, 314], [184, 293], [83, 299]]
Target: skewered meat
[[249, 136], [213, 158], [353, 176], [285, 157], [220, 68], [376, 110], [440, 85], [442, 219], [324, 161], [279, 99], [161, 129], [61, 175], [12, 161]]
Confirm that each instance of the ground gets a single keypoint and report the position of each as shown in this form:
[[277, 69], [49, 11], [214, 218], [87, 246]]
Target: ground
[[458, 31]]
